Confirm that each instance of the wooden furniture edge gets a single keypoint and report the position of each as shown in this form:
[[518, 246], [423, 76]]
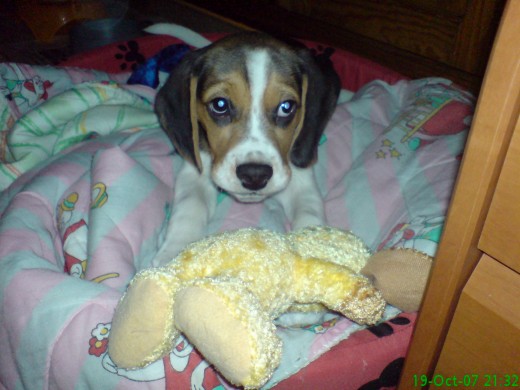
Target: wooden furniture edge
[[458, 253]]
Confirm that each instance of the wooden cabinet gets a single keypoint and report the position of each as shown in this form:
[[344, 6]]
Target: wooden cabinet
[[469, 322], [501, 234], [443, 31], [484, 335]]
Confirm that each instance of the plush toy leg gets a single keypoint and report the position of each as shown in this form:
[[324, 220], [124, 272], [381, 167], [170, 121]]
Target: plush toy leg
[[401, 275], [225, 322], [142, 328]]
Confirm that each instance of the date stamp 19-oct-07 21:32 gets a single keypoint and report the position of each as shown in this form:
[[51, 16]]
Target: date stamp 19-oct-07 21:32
[[492, 381]]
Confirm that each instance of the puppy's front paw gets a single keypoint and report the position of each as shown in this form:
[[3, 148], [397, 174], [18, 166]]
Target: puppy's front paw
[[303, 220], [177, 238]]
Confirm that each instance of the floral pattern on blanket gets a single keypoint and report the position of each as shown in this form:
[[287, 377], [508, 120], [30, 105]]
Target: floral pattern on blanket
[[87, 176]]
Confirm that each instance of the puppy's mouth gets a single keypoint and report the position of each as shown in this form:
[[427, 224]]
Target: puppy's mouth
[[247, 197]]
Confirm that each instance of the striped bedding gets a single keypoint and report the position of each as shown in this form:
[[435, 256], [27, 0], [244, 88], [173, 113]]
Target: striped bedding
[[86, 180]]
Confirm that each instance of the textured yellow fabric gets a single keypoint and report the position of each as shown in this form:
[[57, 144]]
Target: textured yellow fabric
[[331, 244], [253, 276]]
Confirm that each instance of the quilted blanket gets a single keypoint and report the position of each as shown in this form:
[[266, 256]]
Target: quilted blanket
[[87, 178]]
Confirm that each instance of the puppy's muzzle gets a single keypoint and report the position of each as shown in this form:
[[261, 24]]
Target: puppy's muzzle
[[254, 176]]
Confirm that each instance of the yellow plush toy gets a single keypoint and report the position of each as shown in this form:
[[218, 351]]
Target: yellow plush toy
[[224, 292]]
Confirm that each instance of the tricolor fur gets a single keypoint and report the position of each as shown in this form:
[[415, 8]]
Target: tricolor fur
[[247, 113]]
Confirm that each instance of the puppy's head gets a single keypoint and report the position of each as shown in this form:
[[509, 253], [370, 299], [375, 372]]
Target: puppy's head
[[255, 105]]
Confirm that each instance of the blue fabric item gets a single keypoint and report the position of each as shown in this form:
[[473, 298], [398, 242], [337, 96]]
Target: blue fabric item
[[165, 61]]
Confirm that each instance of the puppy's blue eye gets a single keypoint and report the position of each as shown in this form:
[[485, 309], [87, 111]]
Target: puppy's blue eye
[[219, 106], [286, 108]]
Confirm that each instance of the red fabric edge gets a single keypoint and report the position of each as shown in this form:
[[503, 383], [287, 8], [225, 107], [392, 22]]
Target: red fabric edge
[[355, 71]]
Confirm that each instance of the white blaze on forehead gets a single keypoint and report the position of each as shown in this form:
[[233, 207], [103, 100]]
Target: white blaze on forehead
[[257, 145], [258, 73]]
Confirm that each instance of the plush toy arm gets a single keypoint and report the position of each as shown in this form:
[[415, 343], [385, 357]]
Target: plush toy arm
[[339, 289], [142, 328]]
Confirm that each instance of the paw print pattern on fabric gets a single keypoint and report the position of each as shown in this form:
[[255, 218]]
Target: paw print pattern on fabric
[[389, 376], [321, 52], [129, 55], [385, 329]]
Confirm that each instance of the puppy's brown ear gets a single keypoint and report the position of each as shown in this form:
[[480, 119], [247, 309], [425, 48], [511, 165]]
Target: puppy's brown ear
[[324, 86], [175, 106]]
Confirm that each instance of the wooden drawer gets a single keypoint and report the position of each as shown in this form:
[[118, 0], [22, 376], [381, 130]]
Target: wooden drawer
[[501, 235], [431, 34], [484, 336], [440, 30]]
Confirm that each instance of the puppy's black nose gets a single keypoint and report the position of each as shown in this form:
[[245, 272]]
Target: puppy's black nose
[[253, 176]]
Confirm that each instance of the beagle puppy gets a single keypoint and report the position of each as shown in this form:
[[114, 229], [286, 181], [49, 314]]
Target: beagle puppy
[[246, 113]]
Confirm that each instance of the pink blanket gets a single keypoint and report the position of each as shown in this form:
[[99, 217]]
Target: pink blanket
[[87, 178]]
